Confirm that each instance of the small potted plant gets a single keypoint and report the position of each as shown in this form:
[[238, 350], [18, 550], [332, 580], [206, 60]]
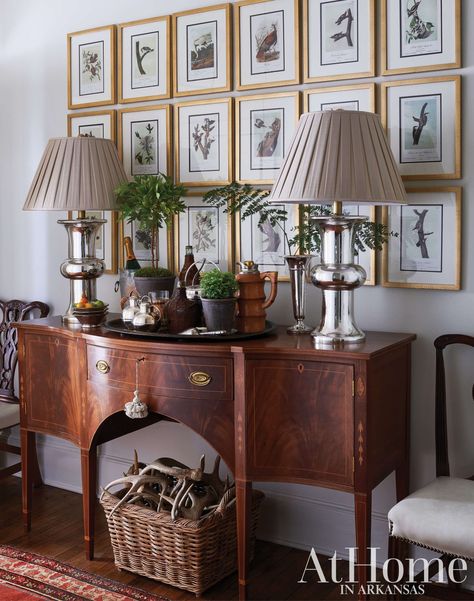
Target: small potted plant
[[152, 201], [218, 290]]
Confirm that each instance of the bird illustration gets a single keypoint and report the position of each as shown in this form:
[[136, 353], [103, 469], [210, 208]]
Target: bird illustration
[[259, 123], [423, 118], [267, 44], [411, 11]]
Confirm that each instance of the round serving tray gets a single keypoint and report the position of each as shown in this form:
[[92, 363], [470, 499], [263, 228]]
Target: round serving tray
[[117, 325]]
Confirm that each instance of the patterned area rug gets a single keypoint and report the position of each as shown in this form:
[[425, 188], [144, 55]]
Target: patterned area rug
[[29, 577]]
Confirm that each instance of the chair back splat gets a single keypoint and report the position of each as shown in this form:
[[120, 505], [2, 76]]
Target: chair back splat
[[11, 312], [441, 427]]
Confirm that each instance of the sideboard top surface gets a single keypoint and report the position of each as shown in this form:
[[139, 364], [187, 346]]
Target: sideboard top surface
[[279, 342]]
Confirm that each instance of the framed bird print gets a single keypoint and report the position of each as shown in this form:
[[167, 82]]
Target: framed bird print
[[267, 43], [144, 140], [360, 97], [144, 71], [420, 35], [202, 50], [207, 229], [203, 142], [96, 124], [426, 253], [91, 67], [423, 122], [264, 126], [338, 39], [264, 243]]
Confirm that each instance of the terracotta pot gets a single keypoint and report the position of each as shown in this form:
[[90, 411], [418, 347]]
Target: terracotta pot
[[219, 313], [145, 285]]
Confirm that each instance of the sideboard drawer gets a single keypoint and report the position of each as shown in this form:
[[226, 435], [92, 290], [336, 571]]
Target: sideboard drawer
[[181, 376]]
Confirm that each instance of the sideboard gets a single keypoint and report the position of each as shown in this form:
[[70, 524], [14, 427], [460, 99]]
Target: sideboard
[[275, 409]]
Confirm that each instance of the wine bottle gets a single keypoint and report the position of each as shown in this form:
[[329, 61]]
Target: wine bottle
[[192, 276], [131, 262]]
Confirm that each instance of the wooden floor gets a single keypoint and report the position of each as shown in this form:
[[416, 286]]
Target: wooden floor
[[57, 533]]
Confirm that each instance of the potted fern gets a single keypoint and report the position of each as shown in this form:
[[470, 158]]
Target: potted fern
[[218, 299], [152, 201]]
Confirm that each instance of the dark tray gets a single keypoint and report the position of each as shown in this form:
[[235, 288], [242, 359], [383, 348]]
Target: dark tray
[[117, 325]]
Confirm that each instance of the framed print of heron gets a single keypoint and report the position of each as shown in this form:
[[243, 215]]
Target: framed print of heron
[[420, 35], [267, 43], [202, 50], [423, 122]]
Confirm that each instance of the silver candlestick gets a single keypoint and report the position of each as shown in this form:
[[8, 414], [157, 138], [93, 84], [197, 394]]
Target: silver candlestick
[[298, 267]]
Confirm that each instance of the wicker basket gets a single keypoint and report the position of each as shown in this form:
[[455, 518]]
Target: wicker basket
[[192, 555]]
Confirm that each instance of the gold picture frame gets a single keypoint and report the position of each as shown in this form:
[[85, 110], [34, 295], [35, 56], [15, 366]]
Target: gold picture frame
[[368, 71], [96, 59], [341, 92], [228, 230], [166, 245], [161, 113], [88, 118], [448, 138], [445, 256], [453, 62], [181, 62], [240, 60], [224, 139], [244, 237], [163, 58], [239, 102]]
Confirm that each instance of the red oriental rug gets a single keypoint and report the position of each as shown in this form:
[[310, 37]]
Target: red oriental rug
[[29, 577]]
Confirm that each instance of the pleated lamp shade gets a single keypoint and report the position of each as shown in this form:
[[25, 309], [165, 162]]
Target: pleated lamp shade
[[339, 156], [76, 174]]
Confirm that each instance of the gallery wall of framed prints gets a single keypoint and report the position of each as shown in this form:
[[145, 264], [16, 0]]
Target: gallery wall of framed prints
[[213, 94]]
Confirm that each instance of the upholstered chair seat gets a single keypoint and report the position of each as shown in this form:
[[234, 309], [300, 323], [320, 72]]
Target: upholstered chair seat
[[439, 516], [9, 415]]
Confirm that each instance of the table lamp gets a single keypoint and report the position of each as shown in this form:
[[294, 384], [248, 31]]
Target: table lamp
[[78, 174], [338, 157]]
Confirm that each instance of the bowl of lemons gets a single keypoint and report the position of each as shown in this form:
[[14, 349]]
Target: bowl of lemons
[[90, 313]]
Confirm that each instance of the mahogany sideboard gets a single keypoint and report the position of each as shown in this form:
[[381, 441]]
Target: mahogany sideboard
[[274, 408]]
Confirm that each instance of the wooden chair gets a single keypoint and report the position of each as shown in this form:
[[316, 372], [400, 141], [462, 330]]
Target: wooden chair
[[10, 312], [439, 516]]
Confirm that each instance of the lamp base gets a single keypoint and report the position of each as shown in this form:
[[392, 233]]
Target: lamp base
[[81, 267], [338, 276], [337, 321]]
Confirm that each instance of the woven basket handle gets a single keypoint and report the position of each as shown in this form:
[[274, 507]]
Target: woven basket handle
[[227, 500]]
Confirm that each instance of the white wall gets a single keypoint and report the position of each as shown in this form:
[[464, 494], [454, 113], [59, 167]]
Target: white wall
[[33, 108]]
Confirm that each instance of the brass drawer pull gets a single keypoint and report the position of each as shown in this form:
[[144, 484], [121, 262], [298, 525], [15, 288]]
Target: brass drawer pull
[[199, 378], [102, 366]]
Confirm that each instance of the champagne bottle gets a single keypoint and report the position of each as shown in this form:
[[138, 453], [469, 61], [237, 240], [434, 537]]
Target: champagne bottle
[[131, 262], [188, 262]]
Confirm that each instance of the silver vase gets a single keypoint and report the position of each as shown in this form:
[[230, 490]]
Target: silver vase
[[298, 267]]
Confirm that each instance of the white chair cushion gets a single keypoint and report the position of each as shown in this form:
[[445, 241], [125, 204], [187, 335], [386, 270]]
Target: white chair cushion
[[9, 415], [439, 516]]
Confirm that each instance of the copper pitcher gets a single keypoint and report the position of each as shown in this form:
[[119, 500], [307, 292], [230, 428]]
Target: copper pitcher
[[251, 303]]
